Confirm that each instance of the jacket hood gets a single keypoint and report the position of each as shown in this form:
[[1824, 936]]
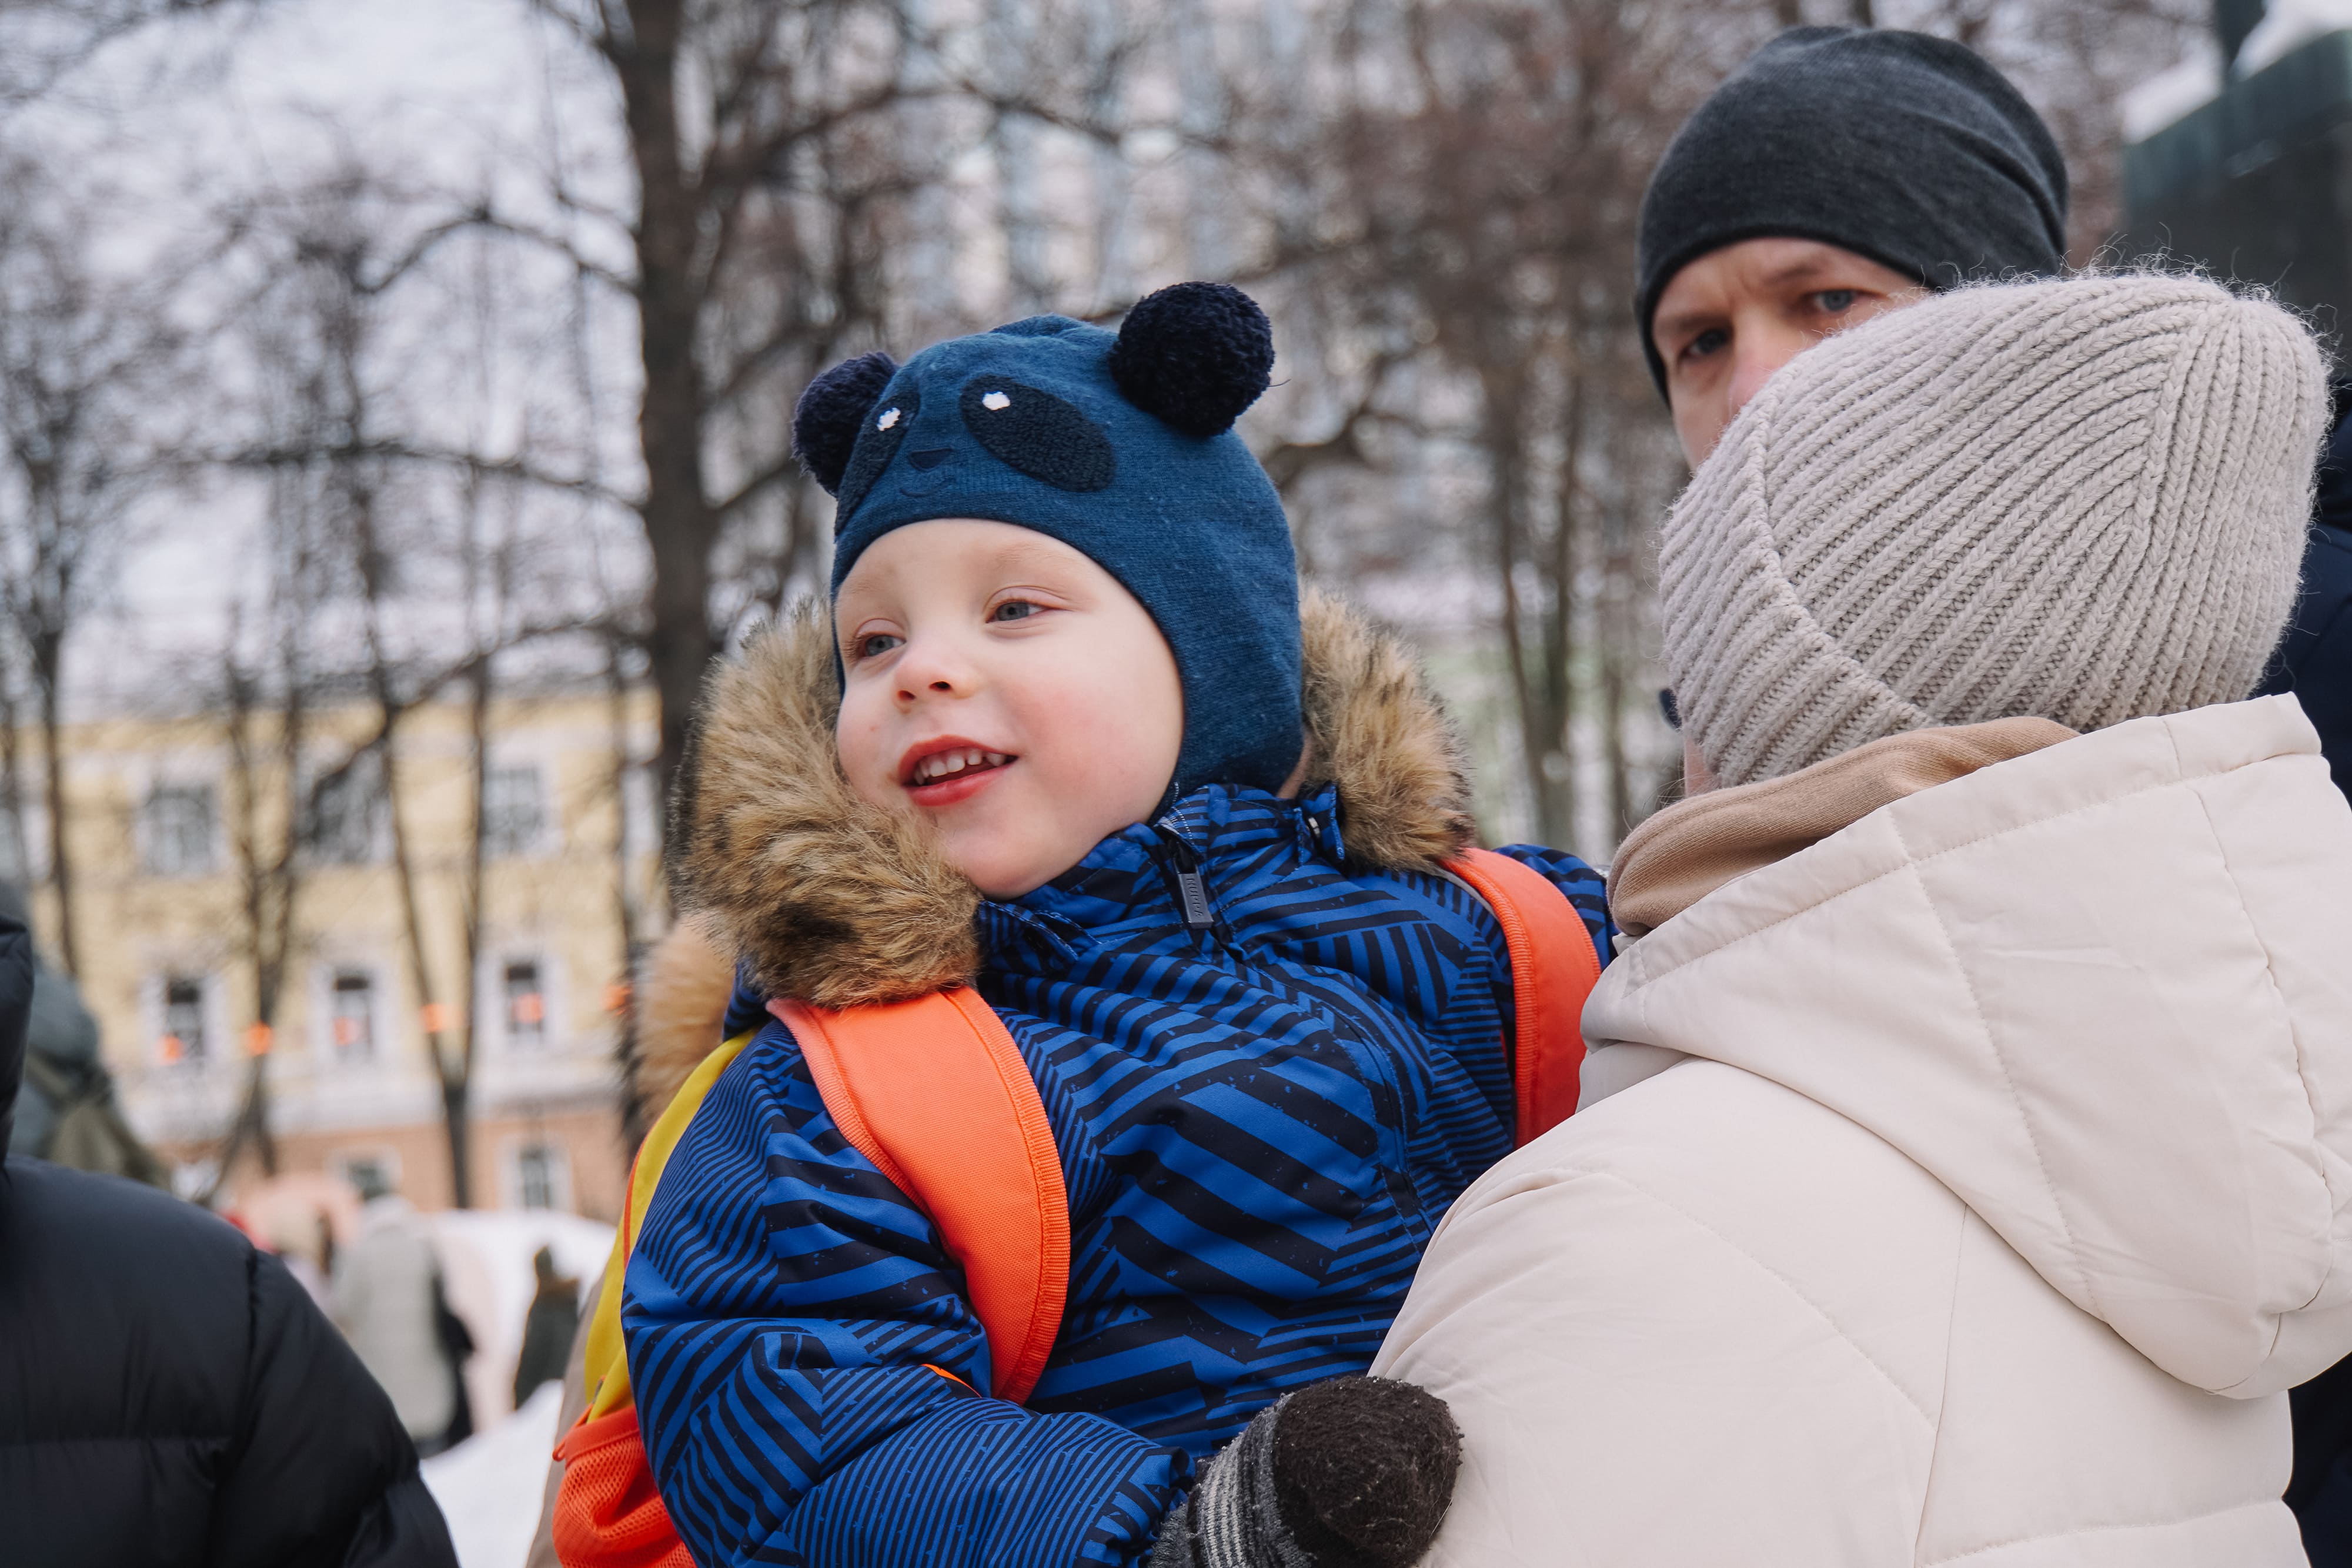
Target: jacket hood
[[2099, 991], [828, 900]]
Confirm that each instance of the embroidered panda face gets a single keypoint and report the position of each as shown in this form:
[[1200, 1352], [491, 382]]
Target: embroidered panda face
[[1032, 431], [886, 431], [1193, 355]]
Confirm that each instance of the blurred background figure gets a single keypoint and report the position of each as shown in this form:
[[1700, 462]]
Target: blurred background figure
[[549, 1327], [168, 1395], [390, 1303], [66, 1110]]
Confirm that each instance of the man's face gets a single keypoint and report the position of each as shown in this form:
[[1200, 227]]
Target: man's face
[[1730, 319]]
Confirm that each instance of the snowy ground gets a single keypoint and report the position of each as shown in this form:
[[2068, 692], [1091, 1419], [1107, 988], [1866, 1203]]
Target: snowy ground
[[490, 1487]]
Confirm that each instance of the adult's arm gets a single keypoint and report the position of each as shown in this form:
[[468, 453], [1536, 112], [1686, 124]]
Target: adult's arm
[[322, 1474], [811, 1383]]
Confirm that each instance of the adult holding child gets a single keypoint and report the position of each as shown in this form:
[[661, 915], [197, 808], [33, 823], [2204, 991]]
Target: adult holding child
[[1965, 1169], [1843, 172]]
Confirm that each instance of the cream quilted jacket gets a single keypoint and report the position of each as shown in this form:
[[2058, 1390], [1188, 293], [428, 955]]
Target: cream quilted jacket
[[1973, 1184]]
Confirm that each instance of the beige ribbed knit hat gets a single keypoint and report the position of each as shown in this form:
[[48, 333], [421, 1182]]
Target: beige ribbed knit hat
[[2083, 499]]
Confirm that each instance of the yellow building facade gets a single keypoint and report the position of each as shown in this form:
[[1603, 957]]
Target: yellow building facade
[[182, 842]]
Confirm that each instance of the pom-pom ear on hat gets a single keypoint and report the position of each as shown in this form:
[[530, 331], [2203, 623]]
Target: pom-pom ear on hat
[[1195, 354], [826, 420]]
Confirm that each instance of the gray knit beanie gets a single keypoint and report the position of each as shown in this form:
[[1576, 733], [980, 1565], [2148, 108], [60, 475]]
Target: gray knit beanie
[[2083, 500]]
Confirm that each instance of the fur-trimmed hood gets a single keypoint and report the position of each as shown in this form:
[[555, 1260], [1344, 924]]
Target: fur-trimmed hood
[[833, 900]]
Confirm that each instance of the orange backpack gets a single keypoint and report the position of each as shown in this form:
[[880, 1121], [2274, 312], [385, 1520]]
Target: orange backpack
[[934, 1092]]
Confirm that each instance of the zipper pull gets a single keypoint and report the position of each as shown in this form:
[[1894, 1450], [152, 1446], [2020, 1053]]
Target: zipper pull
[[1194, 896]]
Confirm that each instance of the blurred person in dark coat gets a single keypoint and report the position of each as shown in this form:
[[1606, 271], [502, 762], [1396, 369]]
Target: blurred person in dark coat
[[547, 1328], [2315, 662], [169, 1396], [66, 1111]]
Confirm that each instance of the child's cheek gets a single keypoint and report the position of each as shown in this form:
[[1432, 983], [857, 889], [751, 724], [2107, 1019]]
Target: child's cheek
[[860, 742]]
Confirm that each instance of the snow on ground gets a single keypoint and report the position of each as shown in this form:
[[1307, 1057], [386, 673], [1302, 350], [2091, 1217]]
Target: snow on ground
[[490, 1485]]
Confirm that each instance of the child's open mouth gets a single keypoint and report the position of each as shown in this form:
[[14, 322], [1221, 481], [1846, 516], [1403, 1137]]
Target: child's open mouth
[[942, 772]]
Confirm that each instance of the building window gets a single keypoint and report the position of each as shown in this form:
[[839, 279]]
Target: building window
[[542, 1175], [526, 1003], [184, 1022], [373, 1173], [514, 811], [177, 829], [350, 1015], [346, 813]]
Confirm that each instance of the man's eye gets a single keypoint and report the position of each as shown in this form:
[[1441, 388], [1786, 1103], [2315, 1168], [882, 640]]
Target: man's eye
[[879, 644], [1834, 301], [1713, 341], [1013, 609]]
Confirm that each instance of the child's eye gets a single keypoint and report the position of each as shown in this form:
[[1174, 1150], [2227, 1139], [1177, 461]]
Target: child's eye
[[875, 644], [1013, 609]]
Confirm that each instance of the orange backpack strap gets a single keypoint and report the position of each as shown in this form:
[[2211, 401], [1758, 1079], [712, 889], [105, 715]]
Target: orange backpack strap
[[934, 1093], [1554, 967]]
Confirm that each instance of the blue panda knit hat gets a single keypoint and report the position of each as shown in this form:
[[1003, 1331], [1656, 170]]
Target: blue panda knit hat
[[1121, 446]]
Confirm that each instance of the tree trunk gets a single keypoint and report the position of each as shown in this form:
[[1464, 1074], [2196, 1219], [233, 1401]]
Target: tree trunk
[[49, 650], [681, 524], [458, 1080]]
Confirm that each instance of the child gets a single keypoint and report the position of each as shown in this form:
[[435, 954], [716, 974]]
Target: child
[[1063, 735]]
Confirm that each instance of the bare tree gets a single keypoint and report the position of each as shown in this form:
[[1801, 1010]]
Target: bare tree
[[81, 360], [729, 109]]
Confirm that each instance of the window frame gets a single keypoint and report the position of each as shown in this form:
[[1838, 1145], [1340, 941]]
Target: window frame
[[152, 838]]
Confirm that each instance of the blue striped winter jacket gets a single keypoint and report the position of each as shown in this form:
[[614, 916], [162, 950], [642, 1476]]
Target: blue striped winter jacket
[[1260, 1122]]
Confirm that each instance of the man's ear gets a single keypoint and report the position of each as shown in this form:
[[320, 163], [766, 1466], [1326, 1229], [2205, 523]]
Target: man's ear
[[1196, 354], [826, 420]]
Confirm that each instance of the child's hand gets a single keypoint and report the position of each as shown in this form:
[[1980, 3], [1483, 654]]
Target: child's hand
[[1352, 1473]]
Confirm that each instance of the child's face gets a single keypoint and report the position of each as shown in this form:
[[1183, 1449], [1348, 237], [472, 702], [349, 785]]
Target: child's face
[[1005, 689]]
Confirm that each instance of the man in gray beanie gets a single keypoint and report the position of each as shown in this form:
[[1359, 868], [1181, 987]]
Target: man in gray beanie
[[1961, 1173], [1840, 173]]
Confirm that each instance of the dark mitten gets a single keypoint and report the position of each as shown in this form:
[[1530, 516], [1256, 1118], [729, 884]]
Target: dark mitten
[[1352, 1473]]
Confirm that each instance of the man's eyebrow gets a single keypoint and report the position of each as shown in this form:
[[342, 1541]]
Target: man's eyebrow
[[1800, 269], [1667, 324]]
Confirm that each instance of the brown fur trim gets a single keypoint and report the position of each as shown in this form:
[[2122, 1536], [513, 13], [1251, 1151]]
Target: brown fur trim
[[676, 1010], [834, 902], [828, 899], [1379, 732]]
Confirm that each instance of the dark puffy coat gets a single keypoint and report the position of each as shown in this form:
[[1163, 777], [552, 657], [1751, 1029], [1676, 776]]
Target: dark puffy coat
[[168, 1393], [2314, 661]]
